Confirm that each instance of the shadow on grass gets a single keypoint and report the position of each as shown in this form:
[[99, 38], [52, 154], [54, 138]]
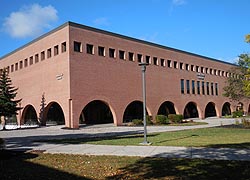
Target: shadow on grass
[[174, 139], [14, 165], [163, 168]]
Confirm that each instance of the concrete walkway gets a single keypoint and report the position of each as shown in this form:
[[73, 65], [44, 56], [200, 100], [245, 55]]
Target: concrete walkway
[[24, 140]]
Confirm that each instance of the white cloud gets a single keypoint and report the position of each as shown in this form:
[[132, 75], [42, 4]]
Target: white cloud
[[178, 2], [30, 21], [101, 21]]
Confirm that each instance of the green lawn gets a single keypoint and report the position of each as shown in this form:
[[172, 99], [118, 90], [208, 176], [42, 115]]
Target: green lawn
[[39, 166], [207, 137]]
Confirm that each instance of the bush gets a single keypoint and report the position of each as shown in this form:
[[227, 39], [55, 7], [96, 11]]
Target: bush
[[237, 114], [161, 119], [175, 118], [137, 122], [149, 120], [246, 123]]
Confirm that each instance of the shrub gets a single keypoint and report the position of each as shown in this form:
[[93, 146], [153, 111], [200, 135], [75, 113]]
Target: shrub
[[246, 123], [161, 119], [175, 118], [237, 114], [149, 120], [137, 122]]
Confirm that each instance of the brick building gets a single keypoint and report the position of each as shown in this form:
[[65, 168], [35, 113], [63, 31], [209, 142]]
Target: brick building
[[78, 74]]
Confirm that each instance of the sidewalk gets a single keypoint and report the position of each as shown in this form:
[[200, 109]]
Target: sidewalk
[[24, 140]]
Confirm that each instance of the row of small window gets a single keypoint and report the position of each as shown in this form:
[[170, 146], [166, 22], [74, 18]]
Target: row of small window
[[35, 59], [199, 87], [156, 61]]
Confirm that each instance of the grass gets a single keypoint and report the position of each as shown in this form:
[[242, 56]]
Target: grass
[[39, 166], [207, 137]]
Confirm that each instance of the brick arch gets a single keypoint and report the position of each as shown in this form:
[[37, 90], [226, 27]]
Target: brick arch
[[29, 115], [191, 110]]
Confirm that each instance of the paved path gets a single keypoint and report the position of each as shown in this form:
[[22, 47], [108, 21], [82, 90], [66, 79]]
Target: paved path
[[24, 140]]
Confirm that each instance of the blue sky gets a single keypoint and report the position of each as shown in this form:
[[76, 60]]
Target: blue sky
[[213, 28]]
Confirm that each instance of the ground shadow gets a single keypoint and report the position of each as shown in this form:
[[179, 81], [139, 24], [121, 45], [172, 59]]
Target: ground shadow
[[15, 165], [178, 168]]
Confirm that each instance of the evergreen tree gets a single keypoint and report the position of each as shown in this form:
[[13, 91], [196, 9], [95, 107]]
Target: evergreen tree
[[8, 104]]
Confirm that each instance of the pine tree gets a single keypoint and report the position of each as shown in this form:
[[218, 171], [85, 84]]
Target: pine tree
[[41, 114], [8, 104]]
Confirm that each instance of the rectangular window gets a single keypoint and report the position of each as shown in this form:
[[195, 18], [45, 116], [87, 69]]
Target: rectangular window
[[192, 67], [163, 62], [25, 62], [188, 86], [139, 58], [182, 86], [63, 47], [208, 88], [42, 55], [193, 87], [175, 64], [169, 63], [111, 53], [211, 71], [131, 56], [215, 72], [12, 68], [16, 66], [21, 64], [77, 46], [36, 58], [207, 71], [187, 67], [56, 51], [219, 72], [203, 87], [197, 68], [101, 51], [31, 60], [148, 59], [181, 65], [122, 54], [90, 49], [198, 87], [202, 69], [49, 53], [155, 60], [216, 89], [212, 89]]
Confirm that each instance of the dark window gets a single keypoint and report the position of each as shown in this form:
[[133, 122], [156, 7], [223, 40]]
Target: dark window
[[56, 50], [198, 87], [215, 72], [211, 71], [187, 67], [121, 54], [212, 89], [31, 60], [42, 55], [12, 68], [169, 63], [208, 88], [77, 46], [16, 66], [131, 56], [216, 89], [148, 59], [188, 86], [89, 49], [139, 57], [192, 67], [181, 65], [155, 60], [193, 87], [182, 86], [25, 62], [21, 64], [219, 72], [36, 58], [163, 62], [207, 70], [49, 53], [63, 47], [197, 68], [175, 64], [101, 51], [203, 87], [202, 69], [111, 53]]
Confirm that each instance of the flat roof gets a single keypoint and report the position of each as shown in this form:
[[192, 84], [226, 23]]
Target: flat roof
[[81, 26]]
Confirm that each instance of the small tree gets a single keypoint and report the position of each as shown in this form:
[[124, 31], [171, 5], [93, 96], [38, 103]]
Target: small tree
[[8, 104], [41, 113]]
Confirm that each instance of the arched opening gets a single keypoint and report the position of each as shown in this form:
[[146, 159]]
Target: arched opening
[[54, 114], [248, 111], [29, 115], [133, 111], [166, 108], [191, 111], [240, 107], [96, 112], [210, 110], [226, 110]]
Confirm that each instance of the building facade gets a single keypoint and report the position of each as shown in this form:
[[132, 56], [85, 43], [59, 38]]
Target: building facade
[[78, 74]]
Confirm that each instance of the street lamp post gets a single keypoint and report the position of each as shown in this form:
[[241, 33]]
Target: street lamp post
[[143, 68]]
